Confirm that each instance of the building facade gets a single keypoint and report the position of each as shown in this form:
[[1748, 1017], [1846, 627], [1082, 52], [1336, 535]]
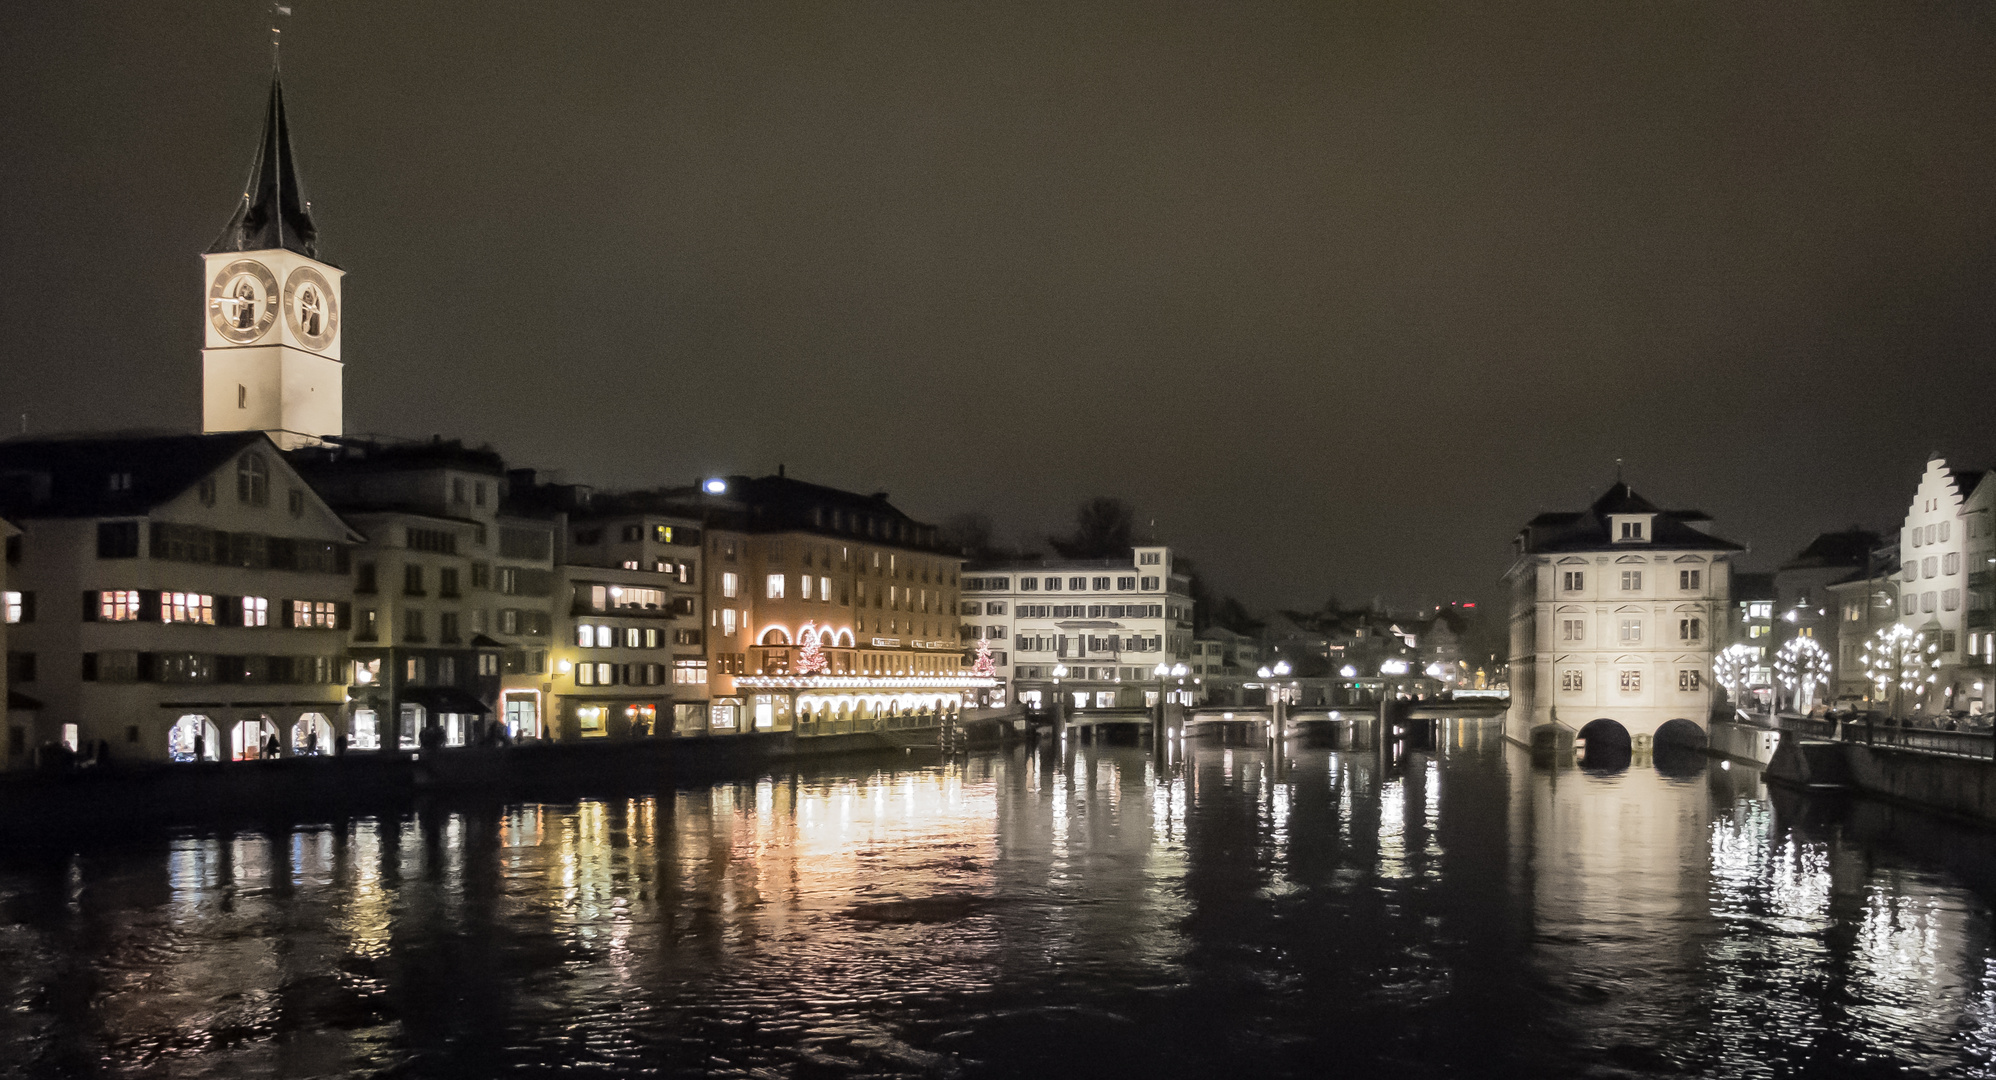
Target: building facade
[[1945, 545], [182, 597], [1094, 630], [1612, 616]]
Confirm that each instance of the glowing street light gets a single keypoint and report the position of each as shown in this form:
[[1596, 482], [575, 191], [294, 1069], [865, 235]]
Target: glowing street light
[[715, 486]]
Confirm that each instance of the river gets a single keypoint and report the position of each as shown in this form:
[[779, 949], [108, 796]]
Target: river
[[1459, 912]]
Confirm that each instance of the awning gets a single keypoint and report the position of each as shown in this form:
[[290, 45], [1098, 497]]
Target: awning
[[18, 700], [444, 699]]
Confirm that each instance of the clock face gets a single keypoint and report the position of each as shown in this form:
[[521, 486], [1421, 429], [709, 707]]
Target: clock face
[[309, 308], [242, 301]]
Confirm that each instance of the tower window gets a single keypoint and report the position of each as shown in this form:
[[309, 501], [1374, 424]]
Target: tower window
[[242, 396]]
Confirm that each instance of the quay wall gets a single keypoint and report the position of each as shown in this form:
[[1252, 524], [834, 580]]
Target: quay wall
[[1742, 742], [1957, 786]]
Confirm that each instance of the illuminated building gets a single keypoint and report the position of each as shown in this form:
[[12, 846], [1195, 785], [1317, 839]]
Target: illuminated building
[[628, 652], [453, 592], [1107, 622], [1945, 552], [1613, 611], [214, 590]]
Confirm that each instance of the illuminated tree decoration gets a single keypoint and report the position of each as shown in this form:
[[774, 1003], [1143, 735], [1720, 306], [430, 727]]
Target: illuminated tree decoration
[[1898, 659], [1802, 665], [984, 667], [811, 655], [1730, 668]]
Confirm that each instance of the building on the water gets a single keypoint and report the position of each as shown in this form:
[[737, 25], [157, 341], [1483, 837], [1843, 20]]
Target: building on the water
[[1613, 613]]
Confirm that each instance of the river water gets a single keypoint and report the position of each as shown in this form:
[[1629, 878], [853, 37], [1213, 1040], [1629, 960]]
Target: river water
[[1366, 912]]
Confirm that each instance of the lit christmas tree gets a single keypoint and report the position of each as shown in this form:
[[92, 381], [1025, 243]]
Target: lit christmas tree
[[984, 668], [811, 657], [1730, 668], [1802, 665]]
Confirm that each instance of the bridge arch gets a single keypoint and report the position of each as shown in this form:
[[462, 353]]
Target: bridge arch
[[1680, 732], [1605, 745]]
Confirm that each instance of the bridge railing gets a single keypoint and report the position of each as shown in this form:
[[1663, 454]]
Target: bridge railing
[[1976, 744]]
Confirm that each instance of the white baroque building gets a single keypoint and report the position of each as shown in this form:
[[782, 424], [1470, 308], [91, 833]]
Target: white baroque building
[[1613, 613]]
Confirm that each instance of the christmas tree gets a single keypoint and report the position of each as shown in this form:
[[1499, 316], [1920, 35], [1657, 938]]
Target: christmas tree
[[810, 658], [983, 667]]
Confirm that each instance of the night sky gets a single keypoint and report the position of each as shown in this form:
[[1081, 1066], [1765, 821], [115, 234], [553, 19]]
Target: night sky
[[1337, 294]]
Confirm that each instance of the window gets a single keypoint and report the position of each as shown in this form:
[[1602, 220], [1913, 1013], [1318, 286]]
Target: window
[[727, 621], [1951, 563], [256, 611], [1760, 609], [118, 540], [1573, 630], [1150, 558], [995, 607], [412, 625], [1632, 580], [412, 580], [730, 585], [1126, 583], [1053, 584], [1944, 530], [488, 662], [180, 607], [1573, 580], [17, 606], [1028, 584], [1632, 631], [113, 605], [1691, 629], [1632, 530], [297, 503], [1950, 599], [970, 607], [774, 587], [440, 541], [1929, 566], [370, 626], [252, 480], [1632, 681], [1689, 679], [311, 614], [687, 672], [447, 582], [447, 671], [1927, 601], [1100, 583], [804, 586], [1688, 579], [1908, 603]]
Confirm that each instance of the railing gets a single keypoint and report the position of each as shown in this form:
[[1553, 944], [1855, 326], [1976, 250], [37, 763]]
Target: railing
[[1976, 744]]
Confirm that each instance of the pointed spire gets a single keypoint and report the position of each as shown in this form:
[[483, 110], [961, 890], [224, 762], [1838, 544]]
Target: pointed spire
[[274, 212]]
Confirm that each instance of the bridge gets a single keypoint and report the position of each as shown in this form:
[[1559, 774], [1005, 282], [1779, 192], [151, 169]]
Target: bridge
[[1355, 725]]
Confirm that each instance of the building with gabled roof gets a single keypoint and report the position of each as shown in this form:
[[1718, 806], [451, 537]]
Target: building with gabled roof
[[179, 597], [1613, 613]]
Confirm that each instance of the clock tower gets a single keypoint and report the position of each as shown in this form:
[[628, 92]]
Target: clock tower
[[271, 358]]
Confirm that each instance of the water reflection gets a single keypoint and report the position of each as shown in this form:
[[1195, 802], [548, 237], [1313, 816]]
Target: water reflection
[[1211, 911]]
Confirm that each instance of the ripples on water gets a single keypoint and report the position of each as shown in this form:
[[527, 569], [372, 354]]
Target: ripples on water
[[1449, 913]]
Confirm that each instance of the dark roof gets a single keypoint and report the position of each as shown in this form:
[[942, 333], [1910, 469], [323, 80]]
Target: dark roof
[[1752, 586], [1851, 547], [274, 212], [1590, 530], [784, 504], [70, 477], [348, 455]]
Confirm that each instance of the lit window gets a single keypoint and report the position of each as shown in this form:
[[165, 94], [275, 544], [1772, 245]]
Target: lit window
[[774, 589], [804, 586], [728, 621], [634, 638], [1632, 580], [585, 636], [14, 607], [256, 611], [689, 672], [1690, 679], [1632, 681], [313, 615], [730, 585], [1570, 681], [113, 605], [180, 607]]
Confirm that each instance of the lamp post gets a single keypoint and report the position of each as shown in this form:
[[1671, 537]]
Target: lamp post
[[1157, 709], [1059, 705]]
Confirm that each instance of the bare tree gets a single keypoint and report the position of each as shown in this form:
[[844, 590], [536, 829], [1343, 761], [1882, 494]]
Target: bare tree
[[971, 534], [1102, 529]]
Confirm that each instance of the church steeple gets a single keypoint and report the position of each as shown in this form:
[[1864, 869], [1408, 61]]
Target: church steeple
[[274, 213], [270, 359]]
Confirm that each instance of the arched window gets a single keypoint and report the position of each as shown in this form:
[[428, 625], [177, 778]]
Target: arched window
[[775, 635]]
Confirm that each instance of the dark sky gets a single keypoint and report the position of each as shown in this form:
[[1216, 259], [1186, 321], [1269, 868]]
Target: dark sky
[[1338, 294]]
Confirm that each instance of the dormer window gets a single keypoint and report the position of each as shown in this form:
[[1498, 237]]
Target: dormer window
[[1630, 528], [121, 481]]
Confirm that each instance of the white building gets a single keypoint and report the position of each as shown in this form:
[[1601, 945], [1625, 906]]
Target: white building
[[1612, 617], [1945, 548], [1094, 629]]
